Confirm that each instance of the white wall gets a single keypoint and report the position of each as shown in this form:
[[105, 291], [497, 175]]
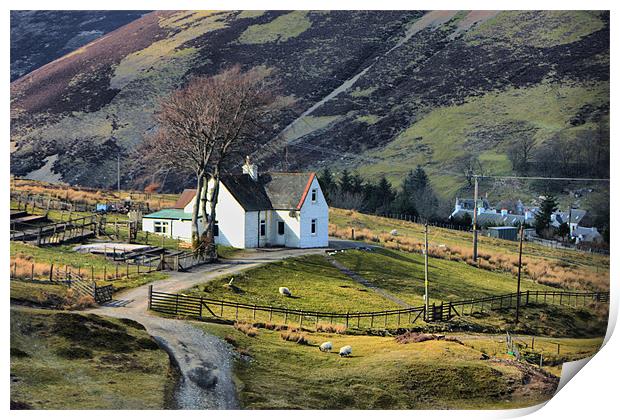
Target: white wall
[[317, 210], [291, 227], [251, 229], [230, 217], [177, 229]]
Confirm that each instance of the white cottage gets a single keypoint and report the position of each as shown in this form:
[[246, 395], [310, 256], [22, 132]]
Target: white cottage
[[273, 209], [175, 222]]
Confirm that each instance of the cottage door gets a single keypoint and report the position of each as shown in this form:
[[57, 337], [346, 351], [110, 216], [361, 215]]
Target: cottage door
[[280, 237]]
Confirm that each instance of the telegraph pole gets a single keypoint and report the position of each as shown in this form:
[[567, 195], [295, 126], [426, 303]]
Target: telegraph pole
[[426, 269], [475, 218], [519, 274], [118, 174]]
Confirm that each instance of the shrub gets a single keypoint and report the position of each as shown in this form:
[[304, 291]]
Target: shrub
[[331, 328], [294, 336], [246, 328]]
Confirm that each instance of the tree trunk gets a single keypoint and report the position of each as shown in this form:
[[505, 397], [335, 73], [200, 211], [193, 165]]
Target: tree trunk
[[204, 198], [195, 212], [208, 237]]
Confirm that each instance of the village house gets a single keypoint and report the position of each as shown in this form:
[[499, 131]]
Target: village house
[[273, 209], [500, 222]]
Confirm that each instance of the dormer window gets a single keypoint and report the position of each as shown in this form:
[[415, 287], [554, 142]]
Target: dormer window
[[313, 195]]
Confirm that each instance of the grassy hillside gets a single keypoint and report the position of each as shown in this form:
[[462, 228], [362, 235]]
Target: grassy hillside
[[65, 361], [377, 91], [382, 374], [555, 267]]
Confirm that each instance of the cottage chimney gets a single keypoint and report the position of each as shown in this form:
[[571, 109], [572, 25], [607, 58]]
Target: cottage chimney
[[250, 169], [504, 212], [528, 214]]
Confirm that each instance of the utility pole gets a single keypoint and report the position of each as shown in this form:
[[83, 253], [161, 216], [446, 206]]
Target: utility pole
[[475, 218], [426, 269], [118, 174], [519, 274]]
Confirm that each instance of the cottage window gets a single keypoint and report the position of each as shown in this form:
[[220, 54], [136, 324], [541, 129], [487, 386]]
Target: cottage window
[[216, 229], [313, 227], [160, 227], [314, 194], [262, 228], [280, 228]]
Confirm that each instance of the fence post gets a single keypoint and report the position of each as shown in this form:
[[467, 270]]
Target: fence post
[[301, 319], [200, 314], [286, 317], [176, 306], [150, 295], [116, 272], [372, 320], [253, 312], [105, 273], [527, 297], [32, 272], [92, 273], [51, 272], [237, 311]]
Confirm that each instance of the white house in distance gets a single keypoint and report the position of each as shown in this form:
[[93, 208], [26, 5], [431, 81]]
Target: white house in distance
[[175, 222], [274, 209]]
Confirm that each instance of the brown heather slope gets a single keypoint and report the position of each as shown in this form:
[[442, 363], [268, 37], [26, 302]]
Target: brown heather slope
[[46, 89], [376, 91]]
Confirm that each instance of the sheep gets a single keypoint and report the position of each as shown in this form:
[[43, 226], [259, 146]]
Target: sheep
[[327, 346], [284, 291], [345, 351]]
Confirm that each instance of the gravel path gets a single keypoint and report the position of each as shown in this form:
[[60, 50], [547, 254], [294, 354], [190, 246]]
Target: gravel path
[[204, 361]]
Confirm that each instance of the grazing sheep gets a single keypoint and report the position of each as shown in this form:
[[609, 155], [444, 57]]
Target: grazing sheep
[[345, 351], [327, 346], [284, 291], [394, 232]]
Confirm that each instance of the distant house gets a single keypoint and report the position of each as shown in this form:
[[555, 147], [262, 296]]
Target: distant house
[[586, 234], [252, 211], [175, 222], [509, 233]]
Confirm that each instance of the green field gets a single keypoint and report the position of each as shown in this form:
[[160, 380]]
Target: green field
[[402, 274], [382, 374], [313, 281], [62, 360]]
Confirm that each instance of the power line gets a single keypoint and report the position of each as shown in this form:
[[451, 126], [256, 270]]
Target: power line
[[543, 178]]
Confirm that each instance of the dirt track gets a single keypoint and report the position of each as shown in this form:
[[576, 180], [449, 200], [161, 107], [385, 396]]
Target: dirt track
[[204, 361]]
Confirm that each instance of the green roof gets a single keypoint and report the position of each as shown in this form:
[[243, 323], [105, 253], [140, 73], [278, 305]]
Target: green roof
[[175, 214]]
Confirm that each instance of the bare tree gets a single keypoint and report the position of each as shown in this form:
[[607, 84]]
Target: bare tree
[[207, 124], [521, 151]]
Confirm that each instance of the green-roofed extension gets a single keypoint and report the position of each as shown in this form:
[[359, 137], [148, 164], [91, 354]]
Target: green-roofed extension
[[175, 214]]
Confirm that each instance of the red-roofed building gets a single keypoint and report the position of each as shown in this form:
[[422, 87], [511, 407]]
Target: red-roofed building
[[270, 209]]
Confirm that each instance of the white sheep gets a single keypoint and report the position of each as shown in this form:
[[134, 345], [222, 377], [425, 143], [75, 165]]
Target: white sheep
[[326, 346], [345, 351], [284, 291]]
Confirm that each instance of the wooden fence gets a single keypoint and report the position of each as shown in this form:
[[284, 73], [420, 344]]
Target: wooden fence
[[446, 310], [205, 308], [61, 272], [182, 261], [58, 232]]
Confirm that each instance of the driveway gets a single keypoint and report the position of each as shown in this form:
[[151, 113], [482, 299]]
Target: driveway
[[204, 361]]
